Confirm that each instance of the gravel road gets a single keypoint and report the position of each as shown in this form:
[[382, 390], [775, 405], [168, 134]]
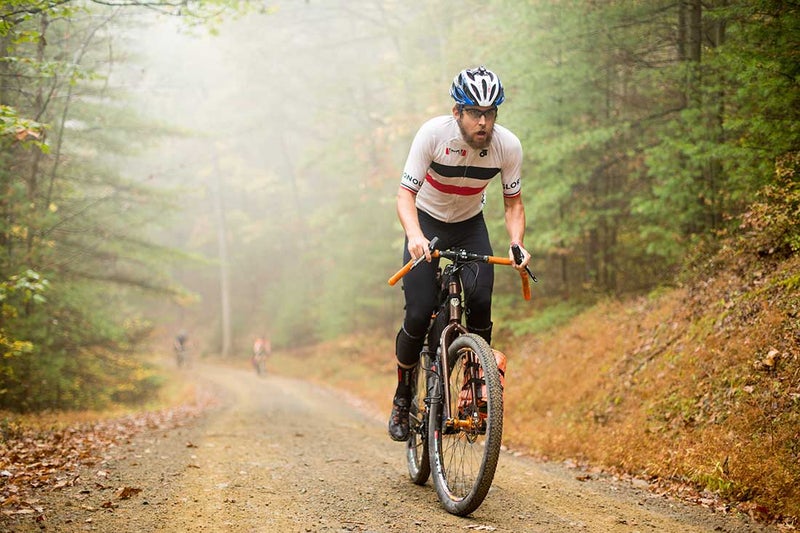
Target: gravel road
[[280, 455]]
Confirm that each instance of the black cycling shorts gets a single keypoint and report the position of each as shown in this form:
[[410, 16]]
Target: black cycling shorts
[[419, 285]]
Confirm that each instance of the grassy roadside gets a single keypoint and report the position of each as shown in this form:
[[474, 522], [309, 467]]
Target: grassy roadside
[[47, 451], [696, 387]]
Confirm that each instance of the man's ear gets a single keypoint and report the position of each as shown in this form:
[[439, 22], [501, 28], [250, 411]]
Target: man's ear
[[456, 111]]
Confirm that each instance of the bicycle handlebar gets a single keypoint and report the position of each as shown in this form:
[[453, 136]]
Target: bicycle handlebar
[[413, 262], [465, 256]]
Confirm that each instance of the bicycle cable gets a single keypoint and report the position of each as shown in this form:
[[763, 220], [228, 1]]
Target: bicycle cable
[[469, 286]]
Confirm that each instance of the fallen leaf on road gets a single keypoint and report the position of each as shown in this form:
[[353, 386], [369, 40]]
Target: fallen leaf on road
[[126, 492]]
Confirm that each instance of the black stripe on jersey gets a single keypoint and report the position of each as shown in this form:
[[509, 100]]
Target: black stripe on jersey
[[461, 171]]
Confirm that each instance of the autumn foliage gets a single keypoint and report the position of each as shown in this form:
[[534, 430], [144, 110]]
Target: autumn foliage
[[699, 384], [49, 454], [694, 388]]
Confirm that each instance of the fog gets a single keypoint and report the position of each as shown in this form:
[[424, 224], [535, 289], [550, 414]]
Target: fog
[[285, 130]]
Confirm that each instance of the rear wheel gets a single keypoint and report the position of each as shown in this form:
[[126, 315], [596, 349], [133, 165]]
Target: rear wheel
[[419, 466], [465, 434]]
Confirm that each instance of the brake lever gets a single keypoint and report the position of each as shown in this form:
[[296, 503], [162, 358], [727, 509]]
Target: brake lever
[[515, 249], [431, 247]]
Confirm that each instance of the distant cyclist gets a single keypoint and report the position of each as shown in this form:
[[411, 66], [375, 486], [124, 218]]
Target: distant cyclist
[[262, 348], [179, 345]]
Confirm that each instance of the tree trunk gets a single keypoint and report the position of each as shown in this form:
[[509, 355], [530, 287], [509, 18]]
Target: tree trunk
[[222, 245]]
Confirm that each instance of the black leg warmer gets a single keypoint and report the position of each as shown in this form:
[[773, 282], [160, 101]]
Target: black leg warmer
[[407, 348]]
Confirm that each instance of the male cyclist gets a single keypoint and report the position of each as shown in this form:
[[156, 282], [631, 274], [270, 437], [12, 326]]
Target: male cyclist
[[262, 348], [449, 165]]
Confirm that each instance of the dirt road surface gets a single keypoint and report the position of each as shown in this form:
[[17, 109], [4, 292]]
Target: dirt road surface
[[280, 455]]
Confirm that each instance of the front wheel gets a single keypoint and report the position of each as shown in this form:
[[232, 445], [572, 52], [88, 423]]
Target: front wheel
[[466, 429], [419, 466]]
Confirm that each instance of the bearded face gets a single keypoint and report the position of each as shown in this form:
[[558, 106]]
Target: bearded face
[[476, 124]]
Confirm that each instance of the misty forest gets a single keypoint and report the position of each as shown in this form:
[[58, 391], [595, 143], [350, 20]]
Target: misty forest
[[230, 168]]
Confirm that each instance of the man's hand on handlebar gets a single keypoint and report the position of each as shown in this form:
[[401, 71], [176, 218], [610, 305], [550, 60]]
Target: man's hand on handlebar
[[419, 247], [515, 262], [519, 259]]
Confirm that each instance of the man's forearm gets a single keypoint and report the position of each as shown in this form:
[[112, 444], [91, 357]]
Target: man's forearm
[[407, 213], [515, 219]]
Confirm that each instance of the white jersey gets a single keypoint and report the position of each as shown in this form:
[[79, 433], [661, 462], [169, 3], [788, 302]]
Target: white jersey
[[449, 177]]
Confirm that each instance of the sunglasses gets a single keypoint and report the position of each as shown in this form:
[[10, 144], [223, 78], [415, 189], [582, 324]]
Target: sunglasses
[[476, 114]]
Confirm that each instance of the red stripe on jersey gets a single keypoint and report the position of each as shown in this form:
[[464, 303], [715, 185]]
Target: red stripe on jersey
[[453, 189]]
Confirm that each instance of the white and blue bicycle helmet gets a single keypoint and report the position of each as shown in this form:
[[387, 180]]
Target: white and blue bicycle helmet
[[478, 87]]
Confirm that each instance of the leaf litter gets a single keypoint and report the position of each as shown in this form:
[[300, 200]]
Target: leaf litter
[[35, 459]]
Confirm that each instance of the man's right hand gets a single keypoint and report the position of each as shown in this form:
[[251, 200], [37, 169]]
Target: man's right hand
[[418, 247]]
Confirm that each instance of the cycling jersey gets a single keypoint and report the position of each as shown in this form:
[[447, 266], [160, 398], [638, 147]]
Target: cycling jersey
[[449, 177]]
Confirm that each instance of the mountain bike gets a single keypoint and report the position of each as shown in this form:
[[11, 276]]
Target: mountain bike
[[456, 413], [259, 362]]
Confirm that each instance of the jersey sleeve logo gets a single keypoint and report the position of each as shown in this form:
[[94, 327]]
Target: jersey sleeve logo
[[410, 182], [511, 189]]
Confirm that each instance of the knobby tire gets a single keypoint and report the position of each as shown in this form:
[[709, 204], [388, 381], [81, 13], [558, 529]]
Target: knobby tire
[[463, 461]]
